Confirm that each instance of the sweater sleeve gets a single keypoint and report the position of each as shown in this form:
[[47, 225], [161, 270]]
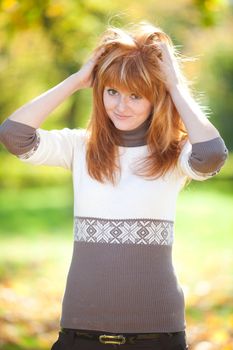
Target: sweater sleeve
[[39, 146], [200, 161], [18, 137]]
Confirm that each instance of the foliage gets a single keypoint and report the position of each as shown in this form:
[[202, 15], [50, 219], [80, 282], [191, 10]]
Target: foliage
[[16, 174], [220, 64], [211, 12]]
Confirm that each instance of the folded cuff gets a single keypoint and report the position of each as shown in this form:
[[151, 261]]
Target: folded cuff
[[208, 156], [18, 138]]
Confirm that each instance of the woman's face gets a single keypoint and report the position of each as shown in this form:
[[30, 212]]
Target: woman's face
[[126, 110]]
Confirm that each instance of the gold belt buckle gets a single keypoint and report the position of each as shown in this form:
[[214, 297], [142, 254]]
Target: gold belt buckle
[[121, 339]]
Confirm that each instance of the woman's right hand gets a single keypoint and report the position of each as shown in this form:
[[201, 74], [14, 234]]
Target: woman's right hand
[[85, 74]]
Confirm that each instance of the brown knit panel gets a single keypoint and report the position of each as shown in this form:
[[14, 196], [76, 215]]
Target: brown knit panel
[[208, 156], [123, 288], [18, 138], [135, 137]]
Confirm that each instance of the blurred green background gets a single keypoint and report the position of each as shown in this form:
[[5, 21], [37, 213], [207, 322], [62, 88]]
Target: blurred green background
[[42, 43]]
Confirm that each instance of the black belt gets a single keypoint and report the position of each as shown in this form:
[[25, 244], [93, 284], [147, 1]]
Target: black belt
[[118, 338]]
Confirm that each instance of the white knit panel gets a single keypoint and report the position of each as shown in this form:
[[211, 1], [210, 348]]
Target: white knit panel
[[54, 148]]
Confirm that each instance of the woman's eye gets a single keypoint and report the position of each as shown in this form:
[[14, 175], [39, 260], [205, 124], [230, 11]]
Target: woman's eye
[[135, 97], [111, 91]]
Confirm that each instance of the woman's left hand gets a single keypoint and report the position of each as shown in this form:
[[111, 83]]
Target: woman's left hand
[[169, 65]]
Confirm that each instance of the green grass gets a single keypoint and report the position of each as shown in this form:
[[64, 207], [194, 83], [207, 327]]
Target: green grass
[[203, 234], [33, 211]]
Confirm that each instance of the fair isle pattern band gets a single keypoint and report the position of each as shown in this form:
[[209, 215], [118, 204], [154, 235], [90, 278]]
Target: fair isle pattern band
[[32, 151], [130, 231]]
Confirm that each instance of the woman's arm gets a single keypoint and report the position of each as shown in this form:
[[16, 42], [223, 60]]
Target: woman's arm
[[208, 148], [35, 111], [199, 128], [19, 132]]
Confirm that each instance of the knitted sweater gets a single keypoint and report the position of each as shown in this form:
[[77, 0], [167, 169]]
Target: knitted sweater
[[121, 277]]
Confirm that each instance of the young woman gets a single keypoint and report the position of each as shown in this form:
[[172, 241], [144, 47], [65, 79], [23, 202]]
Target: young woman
[[145, 139]]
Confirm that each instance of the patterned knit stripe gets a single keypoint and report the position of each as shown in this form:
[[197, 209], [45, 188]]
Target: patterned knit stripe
[[127, 231]]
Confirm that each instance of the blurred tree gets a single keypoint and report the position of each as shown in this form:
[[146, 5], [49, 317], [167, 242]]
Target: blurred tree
[[220, 64], [211, 12], [61, 34]]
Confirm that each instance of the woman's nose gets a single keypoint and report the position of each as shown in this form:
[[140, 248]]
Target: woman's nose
[[122, 104]]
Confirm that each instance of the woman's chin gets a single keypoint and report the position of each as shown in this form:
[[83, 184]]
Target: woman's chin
[[122, 127]]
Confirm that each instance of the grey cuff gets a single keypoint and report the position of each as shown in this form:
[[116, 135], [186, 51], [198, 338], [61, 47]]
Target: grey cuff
[[208, 156], [18, 138]]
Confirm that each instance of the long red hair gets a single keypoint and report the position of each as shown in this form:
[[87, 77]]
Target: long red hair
[[130, 62]]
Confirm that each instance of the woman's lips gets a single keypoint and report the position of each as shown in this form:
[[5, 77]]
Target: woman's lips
[[121, 117]]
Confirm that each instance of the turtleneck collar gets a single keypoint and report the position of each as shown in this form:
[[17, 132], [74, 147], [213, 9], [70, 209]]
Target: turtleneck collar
[[135, 137]]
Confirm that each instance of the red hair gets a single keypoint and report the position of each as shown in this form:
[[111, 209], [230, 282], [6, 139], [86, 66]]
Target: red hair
[[130, 62]]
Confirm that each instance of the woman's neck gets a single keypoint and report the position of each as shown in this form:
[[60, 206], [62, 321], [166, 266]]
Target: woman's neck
[[135, 137]]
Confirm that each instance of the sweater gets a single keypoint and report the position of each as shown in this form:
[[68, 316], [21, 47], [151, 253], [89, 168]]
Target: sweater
[[121, 277]]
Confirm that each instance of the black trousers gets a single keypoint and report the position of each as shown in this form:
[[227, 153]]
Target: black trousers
[[70, 340]]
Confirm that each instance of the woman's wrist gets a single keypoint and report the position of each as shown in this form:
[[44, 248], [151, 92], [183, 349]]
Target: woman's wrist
[[80, 81], [74, 82]]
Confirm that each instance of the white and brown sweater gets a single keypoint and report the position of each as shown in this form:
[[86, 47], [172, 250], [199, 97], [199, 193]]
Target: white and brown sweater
[[121, 277]]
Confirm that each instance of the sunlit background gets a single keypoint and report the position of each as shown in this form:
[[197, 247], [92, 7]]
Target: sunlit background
[[43, 42]]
